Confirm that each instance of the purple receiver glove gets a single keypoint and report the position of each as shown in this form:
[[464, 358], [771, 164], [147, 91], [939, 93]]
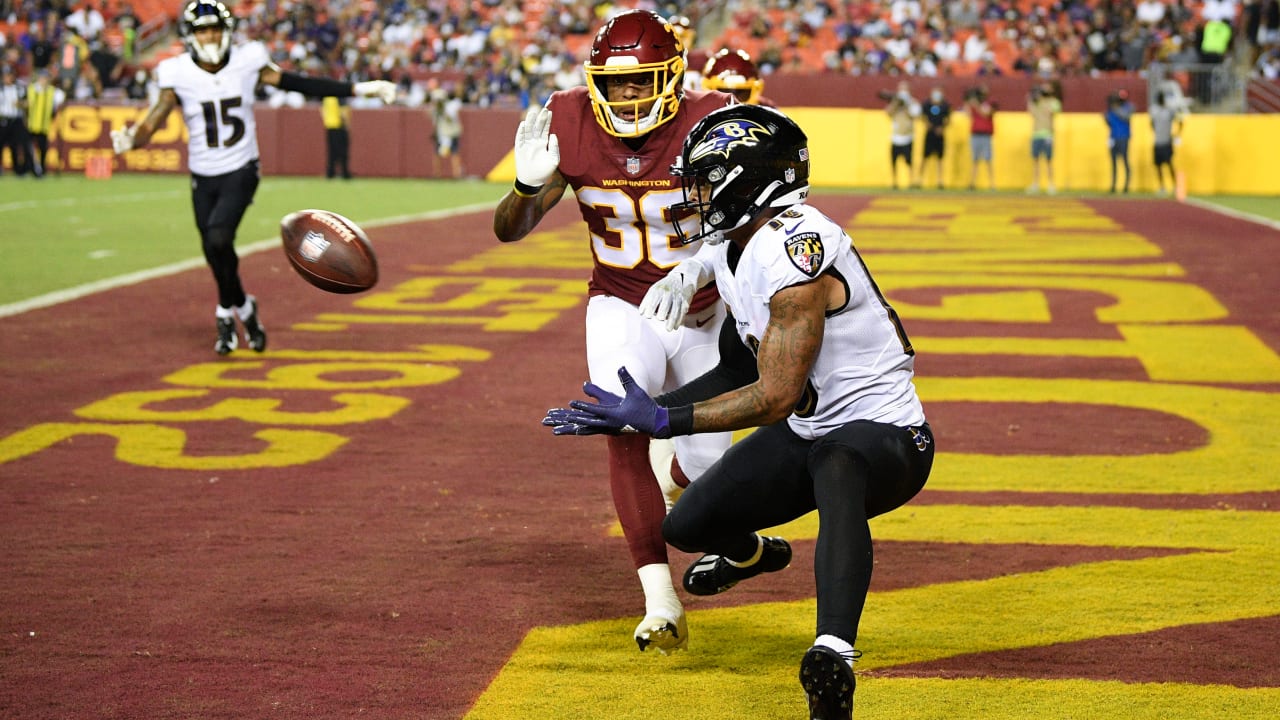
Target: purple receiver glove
[[610, 414]]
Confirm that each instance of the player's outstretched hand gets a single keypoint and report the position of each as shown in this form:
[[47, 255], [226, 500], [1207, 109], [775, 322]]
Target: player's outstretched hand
[[667, 300], [122, 140], [537, 150], [566, 421], [384, 90], [635, 411]]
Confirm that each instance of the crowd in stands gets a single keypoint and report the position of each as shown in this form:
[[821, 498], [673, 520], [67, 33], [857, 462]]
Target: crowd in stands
[[518, 51]]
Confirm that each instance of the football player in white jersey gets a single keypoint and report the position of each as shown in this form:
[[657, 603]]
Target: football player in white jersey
[[215, 84], [813, 355]]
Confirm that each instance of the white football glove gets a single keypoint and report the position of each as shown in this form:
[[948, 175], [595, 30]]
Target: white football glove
[[122, 140], [537, 150], [381, 89], [668, 299]]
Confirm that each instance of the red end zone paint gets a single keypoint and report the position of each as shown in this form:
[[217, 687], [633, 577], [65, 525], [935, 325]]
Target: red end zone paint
[[397, 574]]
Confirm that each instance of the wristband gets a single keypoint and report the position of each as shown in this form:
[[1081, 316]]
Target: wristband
[[680, 420], [526, 191]]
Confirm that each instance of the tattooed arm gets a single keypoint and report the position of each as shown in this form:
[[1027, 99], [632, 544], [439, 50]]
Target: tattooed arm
[[517, 215], [797, 318]]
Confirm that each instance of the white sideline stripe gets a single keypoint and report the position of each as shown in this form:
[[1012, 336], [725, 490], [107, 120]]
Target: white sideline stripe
[[61, 296], [1230, 212]]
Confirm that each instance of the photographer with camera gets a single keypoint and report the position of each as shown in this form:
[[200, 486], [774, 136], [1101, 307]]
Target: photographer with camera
[[982, 126], [903, 111], [1042, 104], [1119, 110], [937, 115]]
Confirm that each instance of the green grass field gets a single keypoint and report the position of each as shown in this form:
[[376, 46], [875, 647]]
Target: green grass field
[[64, 232], [67, 232]]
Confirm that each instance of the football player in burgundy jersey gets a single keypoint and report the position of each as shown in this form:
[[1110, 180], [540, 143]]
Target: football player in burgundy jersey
[[813, 356], [214, 84], [620, 135], [734, 72]]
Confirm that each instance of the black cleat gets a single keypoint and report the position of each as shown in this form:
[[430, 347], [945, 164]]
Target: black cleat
[[827, 679], [228, 339], [253, 328], [712, 574]]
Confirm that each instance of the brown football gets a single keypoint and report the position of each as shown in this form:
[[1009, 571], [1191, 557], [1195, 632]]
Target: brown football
[[329, 251]]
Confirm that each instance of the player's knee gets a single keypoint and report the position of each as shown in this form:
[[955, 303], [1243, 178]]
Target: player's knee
[[680, 533], [218, 238]]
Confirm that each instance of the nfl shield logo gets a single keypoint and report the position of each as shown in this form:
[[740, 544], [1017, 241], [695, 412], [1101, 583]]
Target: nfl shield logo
[[633, 165], [313, 246]]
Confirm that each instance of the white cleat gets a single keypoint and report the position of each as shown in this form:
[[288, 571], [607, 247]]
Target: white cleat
[[664, 635]]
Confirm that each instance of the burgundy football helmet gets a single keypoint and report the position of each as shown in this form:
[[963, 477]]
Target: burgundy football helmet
[[734, 72], [636, 43]]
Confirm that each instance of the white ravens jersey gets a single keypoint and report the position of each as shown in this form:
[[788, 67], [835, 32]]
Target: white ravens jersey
[[865, 366], [217, 107]]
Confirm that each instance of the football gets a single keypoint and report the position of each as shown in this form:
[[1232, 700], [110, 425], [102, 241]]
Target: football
[[329, 251]]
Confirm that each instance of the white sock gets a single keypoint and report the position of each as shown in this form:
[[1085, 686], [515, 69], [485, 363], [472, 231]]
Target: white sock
[[659, 594], [754, 558], [839, 645], [246, 309], [223, 313]]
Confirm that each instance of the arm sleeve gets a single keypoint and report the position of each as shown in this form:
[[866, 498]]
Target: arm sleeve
[[314, 86], [737, 368]]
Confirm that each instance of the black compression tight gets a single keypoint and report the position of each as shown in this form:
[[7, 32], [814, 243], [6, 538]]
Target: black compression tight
[[220, 252]]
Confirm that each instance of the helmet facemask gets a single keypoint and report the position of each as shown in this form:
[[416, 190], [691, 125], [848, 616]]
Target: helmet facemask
[[667, 83], [641, 45]]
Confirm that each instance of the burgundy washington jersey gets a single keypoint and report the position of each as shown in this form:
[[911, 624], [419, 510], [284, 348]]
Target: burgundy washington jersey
[[624, 194]]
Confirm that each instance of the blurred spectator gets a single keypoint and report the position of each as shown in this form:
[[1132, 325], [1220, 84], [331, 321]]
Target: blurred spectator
[[1269, 25], [1150, 12], [446, 109], [336, 116], [975, 48], [964, 14], [1214, 40], [136, 87], [42, 103], [1224, 10], [86, 21], [1268, 65], [903, 111], [128, 23], [946, 49], [40, 48], [1119, 110], [1043, 105], [1166, 126], [982, 126], [937, 116], [13, 128]]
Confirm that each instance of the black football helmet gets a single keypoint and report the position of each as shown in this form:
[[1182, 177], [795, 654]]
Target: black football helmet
[[737, 161], [633, 43], [201, 14]]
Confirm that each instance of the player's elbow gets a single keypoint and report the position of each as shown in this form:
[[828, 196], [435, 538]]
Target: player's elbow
[[777, 406]]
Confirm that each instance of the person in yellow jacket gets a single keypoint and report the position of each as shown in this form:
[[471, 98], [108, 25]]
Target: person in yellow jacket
[[42, 102], [337, 120]]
